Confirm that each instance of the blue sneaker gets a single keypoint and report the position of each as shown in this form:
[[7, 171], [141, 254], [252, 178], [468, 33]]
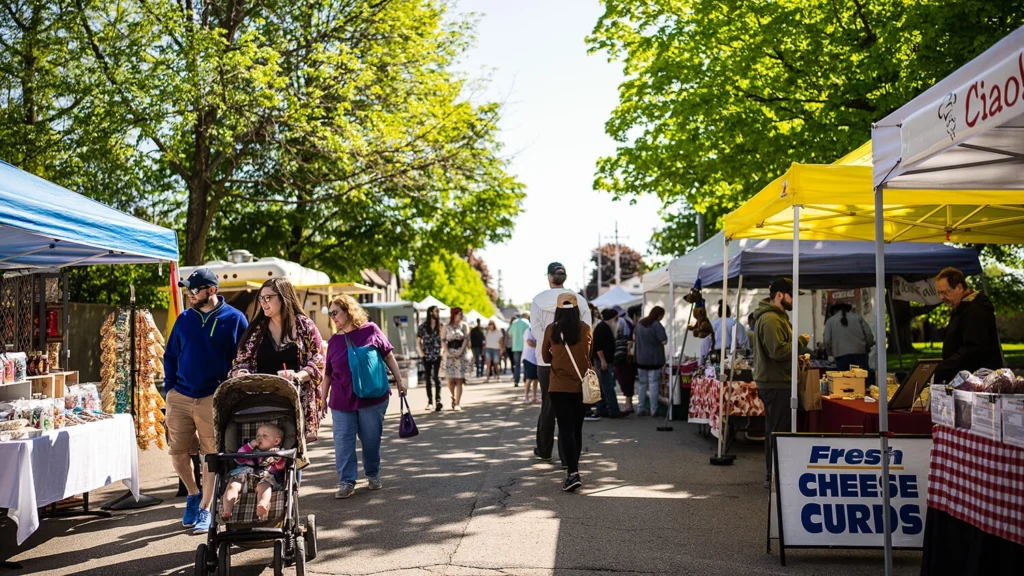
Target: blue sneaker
[[191, 510], [203, 523]]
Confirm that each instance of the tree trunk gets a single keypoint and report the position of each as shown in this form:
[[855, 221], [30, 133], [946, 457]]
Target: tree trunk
[[202, 199]]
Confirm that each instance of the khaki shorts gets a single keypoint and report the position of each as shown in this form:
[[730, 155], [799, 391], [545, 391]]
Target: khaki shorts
[[190, 428]]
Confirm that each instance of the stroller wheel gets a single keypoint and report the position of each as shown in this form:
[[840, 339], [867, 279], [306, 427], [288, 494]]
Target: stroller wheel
[[278, 558], [224, 559], [201, 560], [300, 556], [310, 535]]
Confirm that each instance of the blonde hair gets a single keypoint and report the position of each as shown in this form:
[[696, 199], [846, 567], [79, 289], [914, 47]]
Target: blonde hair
[[275, 430], [351, 307]]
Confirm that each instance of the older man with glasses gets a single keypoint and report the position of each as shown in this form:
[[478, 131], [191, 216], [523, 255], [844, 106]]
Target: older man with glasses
[[198, 356]]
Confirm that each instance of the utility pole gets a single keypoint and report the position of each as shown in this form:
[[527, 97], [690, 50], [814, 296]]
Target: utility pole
[[501, 289], [618, 259]]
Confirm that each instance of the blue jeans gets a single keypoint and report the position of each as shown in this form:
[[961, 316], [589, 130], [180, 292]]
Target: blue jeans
[[368, 423], [517, 360], [609, 403], [647, 386]]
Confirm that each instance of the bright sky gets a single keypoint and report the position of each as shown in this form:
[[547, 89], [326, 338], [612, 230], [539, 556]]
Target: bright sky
[[557, 100]]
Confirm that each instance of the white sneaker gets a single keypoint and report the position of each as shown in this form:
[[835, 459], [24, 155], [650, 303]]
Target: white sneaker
[[429, 408]]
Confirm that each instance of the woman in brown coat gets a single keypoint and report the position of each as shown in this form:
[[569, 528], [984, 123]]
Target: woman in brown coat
[[566, 346]]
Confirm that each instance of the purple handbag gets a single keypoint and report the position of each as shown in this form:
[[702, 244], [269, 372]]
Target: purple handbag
[[406, 425]]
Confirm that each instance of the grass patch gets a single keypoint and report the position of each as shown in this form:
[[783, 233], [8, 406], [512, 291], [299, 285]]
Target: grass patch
[[1014, 353]]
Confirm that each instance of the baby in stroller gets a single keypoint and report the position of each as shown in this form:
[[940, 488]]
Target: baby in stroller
[[268, 471]]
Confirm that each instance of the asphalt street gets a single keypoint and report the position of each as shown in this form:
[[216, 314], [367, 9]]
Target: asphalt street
[[468, 497]]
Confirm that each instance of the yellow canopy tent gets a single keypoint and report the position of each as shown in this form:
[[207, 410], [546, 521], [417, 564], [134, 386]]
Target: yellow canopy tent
[[837, 202]]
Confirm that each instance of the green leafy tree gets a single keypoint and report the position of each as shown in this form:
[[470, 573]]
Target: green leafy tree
[[721, 96], [452, 280], [328, 132]]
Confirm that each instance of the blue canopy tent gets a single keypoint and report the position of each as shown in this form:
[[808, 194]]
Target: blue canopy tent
[[45, 226], [838, 264]]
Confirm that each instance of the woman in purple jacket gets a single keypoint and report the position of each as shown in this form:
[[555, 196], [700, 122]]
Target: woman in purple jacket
[[354, 416]]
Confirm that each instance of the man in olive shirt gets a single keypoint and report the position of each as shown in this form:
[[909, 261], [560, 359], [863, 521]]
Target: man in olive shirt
[[773, 349]]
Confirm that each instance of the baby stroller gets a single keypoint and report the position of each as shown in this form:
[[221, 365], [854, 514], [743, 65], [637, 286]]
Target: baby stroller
[[240, 406]]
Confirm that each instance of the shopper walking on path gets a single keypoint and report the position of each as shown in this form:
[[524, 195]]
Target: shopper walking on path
[[542, 314], [773, 348], [566, 347], [477, 339], [428, 341], [529, 366], [515, 335], [649, 339], [625, 363], [848, 337], [604, 354], [457, 361], [282, 340], [197, 359], [354, 416], [492, 350]]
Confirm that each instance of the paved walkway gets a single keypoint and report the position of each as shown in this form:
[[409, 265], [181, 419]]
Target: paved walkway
[[467, 497]]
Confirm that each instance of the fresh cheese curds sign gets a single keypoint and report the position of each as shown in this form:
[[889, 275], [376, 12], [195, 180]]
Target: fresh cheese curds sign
[[831, 490], [989, 100]]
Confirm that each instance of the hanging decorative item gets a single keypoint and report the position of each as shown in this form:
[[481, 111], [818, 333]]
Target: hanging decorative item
[[115, 373]]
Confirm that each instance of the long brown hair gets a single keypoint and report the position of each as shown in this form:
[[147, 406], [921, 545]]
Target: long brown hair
[[290, 310], [657, 313]]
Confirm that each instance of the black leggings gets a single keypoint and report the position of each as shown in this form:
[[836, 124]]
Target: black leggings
[[431, 368], [569, 412]]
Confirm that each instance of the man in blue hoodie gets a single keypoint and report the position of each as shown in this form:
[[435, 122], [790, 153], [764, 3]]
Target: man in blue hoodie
[[197, 358]]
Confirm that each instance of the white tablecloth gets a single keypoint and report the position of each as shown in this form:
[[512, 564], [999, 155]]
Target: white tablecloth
[[62, 463]]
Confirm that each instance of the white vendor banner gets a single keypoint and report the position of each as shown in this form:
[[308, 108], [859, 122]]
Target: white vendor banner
[[991, 99], [923, 292], [830, 489]]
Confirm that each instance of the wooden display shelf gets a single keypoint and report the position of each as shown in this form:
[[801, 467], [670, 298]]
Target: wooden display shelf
[[15, 390], [54, 384]]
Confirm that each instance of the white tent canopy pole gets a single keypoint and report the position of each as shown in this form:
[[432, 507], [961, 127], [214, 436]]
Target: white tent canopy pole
[[721, 378], [795, 343], [881, 378]]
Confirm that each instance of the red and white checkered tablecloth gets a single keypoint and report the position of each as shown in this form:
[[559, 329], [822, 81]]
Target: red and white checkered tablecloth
[[979, 481]]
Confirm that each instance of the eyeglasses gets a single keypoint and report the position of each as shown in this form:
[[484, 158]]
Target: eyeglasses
[[943, 293], [334, 313], [266, 299], [196, 291]]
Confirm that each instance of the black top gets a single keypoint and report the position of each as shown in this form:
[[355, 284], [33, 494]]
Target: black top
[[477, 338], [604, 341], [270, 359], [971, 340]]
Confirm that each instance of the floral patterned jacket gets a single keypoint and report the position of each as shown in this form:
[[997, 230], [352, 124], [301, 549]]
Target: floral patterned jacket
[[307, 340]]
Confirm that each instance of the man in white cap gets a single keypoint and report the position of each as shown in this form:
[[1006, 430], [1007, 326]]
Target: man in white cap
[[542, 313]]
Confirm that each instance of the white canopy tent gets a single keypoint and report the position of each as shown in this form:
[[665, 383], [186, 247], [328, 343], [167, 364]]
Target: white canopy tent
[[501, 324], [429, 301], [961, 145], [617, 296], [666, 287], [472, 316]]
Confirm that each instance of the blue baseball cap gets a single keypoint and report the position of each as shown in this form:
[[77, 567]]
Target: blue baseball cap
[[199, 278]]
